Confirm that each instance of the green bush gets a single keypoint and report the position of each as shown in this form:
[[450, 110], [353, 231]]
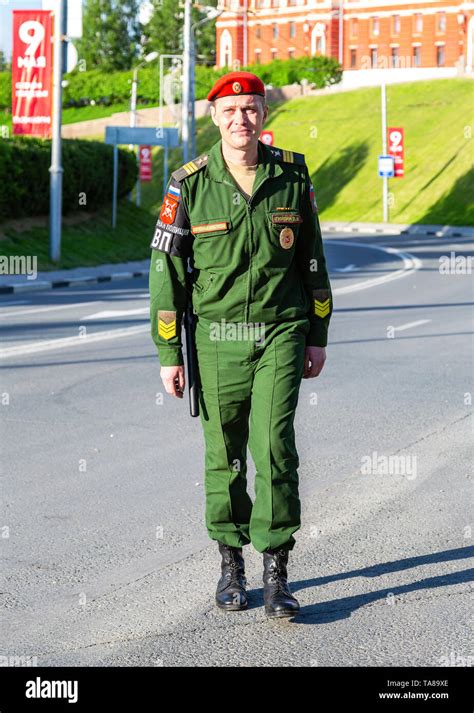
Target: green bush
[[88, 170]]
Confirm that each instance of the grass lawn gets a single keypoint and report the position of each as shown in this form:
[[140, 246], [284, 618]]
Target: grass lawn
[[340, 135], [91, 242]]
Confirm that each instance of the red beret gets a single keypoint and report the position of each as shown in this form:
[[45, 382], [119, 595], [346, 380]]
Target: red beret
[[236, 83]]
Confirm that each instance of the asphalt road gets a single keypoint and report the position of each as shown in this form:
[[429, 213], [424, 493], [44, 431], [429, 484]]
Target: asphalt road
[[105, 557]]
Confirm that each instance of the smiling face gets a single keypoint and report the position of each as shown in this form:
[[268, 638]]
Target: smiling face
[[240, 119]]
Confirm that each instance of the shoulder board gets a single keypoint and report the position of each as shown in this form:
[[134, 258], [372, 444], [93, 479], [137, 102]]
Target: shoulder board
[[189, 168], [287, 156]]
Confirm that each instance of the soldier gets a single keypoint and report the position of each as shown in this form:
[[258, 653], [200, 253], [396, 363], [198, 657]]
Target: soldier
[[243, 216]]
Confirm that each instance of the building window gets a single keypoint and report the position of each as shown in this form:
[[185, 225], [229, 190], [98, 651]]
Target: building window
[[417, 56], [292, 29], [395, 24], [257, 56], [440, 56], [291, 54], [275, 31], [274, 54], [418, 22], [258, 31], [374, 26], [354, 27], [394, 57], [373, 57], [441, 22], [353, 59]]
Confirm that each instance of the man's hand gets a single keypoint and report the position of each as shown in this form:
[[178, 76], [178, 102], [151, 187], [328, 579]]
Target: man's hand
[[314, 358], [173, 380]]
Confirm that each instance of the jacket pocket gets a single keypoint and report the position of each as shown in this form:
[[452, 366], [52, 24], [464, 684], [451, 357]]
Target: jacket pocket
[[203, 281], [284, 227]]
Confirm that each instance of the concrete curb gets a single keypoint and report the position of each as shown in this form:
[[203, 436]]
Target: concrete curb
[[72, 282]]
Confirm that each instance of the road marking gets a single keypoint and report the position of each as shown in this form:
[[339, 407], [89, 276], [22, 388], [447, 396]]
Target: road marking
[[117, 313], [411, 324], [347, 268], [48, 345], [411, 263], [35, 310]]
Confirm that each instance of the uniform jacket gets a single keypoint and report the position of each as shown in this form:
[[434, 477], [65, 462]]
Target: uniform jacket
[[253, 261]]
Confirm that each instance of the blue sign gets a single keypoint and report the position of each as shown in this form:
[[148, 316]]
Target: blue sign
[[159, 136], [386, 167]]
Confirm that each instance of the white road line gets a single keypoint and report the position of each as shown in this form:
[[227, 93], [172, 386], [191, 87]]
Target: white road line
[[411, 324], [411, 263], [49, 344], [348, 268], [35, 310], [117, 313]]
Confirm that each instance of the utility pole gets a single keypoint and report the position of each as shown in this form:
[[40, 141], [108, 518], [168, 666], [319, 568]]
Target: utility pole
[[384, 151], [56, 169]]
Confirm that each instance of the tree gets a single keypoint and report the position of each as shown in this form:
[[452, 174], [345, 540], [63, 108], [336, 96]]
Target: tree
[[4, 66], [111, 34], [164, 30]]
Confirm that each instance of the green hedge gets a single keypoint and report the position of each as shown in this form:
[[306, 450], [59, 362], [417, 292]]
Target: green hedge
[[114, 88], [88, 168]]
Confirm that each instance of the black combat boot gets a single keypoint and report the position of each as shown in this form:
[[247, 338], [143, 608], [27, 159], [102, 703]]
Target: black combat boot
[[277, 597], [231, 594]]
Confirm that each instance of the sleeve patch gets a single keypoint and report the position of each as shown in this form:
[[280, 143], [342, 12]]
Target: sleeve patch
[[168, 209], [322, 303], [166, 324]]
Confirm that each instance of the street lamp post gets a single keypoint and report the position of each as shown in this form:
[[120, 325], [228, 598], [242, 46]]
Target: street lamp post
[[56, 169]]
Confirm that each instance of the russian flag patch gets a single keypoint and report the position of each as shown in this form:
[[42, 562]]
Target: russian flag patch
[[174, 191]]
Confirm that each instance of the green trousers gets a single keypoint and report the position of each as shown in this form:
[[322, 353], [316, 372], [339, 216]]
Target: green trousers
[[248, 396]]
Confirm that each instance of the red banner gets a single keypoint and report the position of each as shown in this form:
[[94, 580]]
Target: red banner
[[145, 163], [32, 72], [396, 148]]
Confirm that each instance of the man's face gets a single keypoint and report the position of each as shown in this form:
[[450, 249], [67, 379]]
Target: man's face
[[239, 118]]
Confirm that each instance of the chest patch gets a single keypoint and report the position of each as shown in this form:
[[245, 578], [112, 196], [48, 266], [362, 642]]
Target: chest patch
[[209, 227], [286, 218]]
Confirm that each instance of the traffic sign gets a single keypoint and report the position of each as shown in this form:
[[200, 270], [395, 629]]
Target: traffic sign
[[386, 167], [145, 163], [396, 148]]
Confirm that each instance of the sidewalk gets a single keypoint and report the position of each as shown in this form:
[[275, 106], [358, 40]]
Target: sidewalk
[[120, 271]]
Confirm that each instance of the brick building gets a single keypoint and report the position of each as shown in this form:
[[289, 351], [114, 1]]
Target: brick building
[[361, 34]]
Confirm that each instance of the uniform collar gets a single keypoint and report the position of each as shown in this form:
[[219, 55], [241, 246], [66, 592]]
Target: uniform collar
[[216, 170]]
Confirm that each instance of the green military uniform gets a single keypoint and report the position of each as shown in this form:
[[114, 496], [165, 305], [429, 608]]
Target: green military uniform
[[261, 294]]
